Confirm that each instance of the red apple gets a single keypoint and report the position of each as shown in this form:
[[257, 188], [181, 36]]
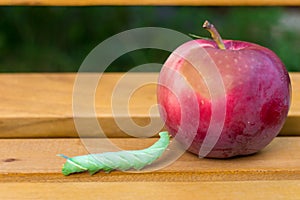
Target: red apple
[[256, 96]]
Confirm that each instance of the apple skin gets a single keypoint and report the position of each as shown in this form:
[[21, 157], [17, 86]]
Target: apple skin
[[257, 88]]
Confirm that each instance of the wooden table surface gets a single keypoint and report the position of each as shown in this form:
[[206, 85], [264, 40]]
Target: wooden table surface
[[36, 123]]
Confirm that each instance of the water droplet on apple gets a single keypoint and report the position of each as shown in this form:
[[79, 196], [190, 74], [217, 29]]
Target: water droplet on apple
[[251, 123]]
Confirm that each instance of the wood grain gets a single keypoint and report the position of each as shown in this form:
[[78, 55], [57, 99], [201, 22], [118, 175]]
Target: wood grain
[[246, 190], [35, 160], [151, 2], [40, 105]]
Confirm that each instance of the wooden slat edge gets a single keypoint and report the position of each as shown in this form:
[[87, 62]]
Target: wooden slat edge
[[153, 190], [40, 105]]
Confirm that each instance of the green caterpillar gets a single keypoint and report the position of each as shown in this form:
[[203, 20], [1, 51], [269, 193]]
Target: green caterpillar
[[122, 160]]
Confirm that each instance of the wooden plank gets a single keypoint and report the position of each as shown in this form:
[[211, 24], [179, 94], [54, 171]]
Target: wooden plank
[[40, 105], [151, 2], [35, 160], [292, 125], [259, 190]]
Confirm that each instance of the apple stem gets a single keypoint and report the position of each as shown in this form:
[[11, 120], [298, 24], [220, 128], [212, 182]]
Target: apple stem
[[214, 34]]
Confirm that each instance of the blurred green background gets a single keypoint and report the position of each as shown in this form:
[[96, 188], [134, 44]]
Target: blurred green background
[[57, 39]]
